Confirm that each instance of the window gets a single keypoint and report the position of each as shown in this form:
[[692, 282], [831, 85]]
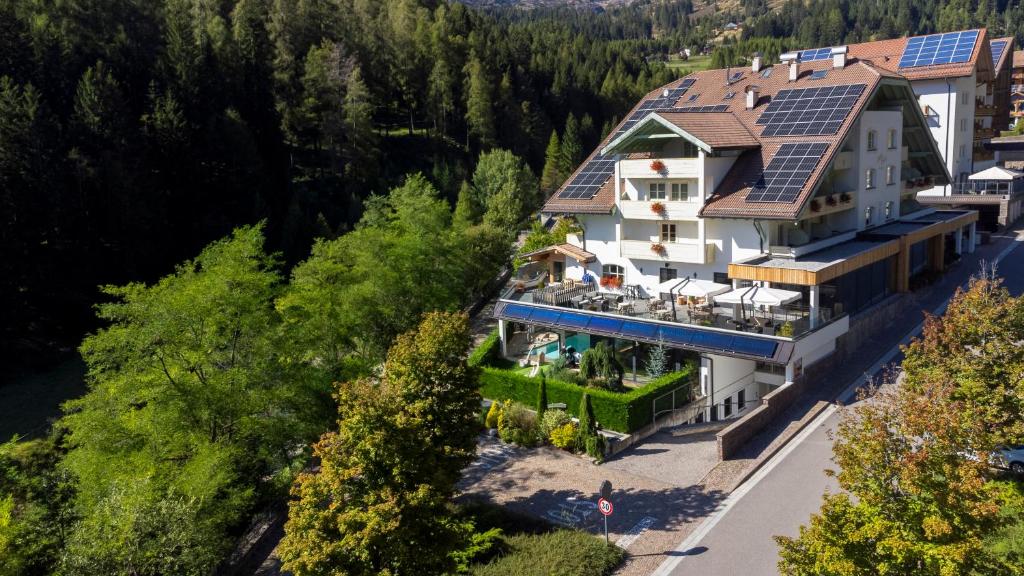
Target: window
[[890, 175], [722, 278], [693, 97], [818, 74], [729, 96], [963, 150], [680, 192], [869, 178], [892, 139], [868, 213], [666, 274], [727, 407], [657, 191], [613, 271], [872, 137], [741, 399], [963, 98], [963, 124], [736, 76], [888, 210], [766, 72], [668, 232]]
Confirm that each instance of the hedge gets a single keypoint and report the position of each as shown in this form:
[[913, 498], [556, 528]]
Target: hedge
[[619, 411]]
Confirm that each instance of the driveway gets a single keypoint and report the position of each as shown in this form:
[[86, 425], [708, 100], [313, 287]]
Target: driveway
[[658, 497]]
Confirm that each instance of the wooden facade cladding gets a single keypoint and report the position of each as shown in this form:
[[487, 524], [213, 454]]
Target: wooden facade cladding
[[813, 277]]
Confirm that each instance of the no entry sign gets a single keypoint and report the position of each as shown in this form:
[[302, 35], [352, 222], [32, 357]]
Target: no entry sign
[[605, 506]]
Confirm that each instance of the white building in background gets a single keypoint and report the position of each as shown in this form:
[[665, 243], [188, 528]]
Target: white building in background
[[798, 176]]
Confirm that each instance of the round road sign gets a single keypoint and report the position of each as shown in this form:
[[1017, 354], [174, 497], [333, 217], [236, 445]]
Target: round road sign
[[605, 506]]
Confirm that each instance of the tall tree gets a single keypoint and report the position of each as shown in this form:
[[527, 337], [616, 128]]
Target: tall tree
[[552, 176], [380, 502], [479, 104], [572, 146]]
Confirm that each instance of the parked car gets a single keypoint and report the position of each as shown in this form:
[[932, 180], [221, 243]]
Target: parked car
[[1009, 458]]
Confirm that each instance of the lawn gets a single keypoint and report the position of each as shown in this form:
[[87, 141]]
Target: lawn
[[532, 547], [694, 64]]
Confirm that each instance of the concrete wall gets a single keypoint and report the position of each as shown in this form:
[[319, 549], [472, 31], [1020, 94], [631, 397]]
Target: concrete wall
[[865, 326], [878, 160]]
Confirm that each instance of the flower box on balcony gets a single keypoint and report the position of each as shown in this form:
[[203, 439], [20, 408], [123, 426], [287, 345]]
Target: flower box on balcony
[[658, 248], [845, 198], [658, 166], [658, 208], [815, 205], [611, 281], [831, 200]]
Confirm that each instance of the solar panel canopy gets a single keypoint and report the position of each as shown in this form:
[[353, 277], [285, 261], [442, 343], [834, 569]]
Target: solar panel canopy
[[787, 172], [948, 48], [813, 54], [816, 111], [998, 47], [599, 169]]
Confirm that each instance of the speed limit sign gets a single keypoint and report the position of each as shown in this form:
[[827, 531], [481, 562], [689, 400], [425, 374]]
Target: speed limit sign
[[605, 506]]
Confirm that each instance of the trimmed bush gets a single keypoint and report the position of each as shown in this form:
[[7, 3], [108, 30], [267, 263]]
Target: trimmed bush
[[562, 552], [564, 436], [552, 419], [517, 424], [492, 415], [619, 411], [486, 352]]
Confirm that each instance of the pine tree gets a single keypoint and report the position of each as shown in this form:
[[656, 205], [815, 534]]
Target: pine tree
[[551, 178], [572, 148], [479, 104], [360, 138], [467, 209], [657, 361]]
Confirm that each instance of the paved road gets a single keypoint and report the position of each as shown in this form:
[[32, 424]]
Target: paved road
[[781, 496]]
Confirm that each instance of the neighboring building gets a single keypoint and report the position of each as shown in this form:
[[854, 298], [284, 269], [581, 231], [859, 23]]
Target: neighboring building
[[798, 178], [1017, 86]]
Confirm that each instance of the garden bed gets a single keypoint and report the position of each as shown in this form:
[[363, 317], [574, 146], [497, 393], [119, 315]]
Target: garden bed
[[624, 412]]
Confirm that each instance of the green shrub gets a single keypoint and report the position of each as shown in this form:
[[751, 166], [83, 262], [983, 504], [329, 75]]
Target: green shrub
[[487, 351], [566, 375], [562, 552], [601, 362], [492, 415], [564, 436], [517, 424], [550, 420], [620, 411]]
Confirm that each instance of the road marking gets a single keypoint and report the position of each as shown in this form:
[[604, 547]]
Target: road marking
[[571, 513], [722, 509], [634, 533]]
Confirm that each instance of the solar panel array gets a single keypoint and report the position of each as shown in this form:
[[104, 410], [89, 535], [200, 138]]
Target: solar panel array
[[705, 108], [815, 54], [998, 47], [644, 331], [948, 48], [788, 171], [809, 111], [598, 169]]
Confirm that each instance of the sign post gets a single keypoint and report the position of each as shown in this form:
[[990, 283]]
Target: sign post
[[604, 504]]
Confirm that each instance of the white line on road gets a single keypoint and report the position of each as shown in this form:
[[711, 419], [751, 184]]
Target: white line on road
[[693, 539]]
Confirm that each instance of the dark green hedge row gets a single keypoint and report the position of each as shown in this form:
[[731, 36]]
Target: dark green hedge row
[[619, 411]]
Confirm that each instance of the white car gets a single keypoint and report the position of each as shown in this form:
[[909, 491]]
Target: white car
[[1010, 458]]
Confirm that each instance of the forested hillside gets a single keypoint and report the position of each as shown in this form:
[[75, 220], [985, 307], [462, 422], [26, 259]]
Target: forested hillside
[[132, 133]]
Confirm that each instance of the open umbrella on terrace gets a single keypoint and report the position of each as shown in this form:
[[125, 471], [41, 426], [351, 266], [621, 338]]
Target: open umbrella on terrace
[[758, 296], [690, 287]]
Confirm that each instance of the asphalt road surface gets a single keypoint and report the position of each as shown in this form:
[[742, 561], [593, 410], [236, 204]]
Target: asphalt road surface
[[782, 495]]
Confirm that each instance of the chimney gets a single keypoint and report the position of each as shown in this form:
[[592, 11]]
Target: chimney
[[753, 93], [755, 65], [839, 57], [793, 59]]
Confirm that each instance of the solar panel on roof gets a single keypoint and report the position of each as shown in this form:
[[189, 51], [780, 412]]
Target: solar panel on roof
[[599, 169], [948, 48], [705, 108], [735, 76], [787, 172], [729, 96], [819, 74], [813, 54], [809, 111], [766, 72], [997, 47]]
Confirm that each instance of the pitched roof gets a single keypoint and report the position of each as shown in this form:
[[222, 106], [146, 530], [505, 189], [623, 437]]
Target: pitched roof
[[1005, 56], [736, 127], [574, 252], [719, 130]]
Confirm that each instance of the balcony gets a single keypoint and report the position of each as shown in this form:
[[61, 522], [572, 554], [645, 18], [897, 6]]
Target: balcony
[[823, 205], [644, 209], [673, 168], [844, 160], [688, 251], [984, 110]]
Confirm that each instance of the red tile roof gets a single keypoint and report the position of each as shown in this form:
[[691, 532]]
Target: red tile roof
[[868, 63]]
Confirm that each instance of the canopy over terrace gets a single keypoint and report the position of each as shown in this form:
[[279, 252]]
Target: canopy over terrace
[[759, 296], [555, 257], [692, 287]]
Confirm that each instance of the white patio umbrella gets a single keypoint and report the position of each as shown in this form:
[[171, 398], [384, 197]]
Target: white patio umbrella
[[701, 288], [758, 296]]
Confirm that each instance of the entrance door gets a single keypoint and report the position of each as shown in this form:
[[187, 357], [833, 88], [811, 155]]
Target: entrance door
[[558, 270]]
